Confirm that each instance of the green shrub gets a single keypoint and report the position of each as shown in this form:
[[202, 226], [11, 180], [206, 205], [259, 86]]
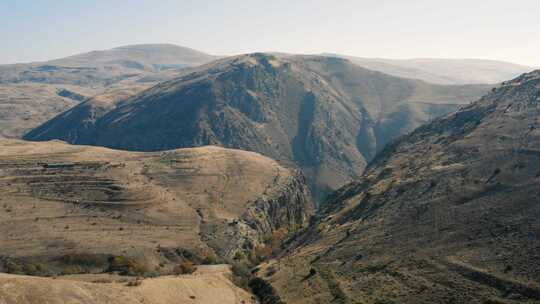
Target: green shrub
[[239, 255], [187, 267], [13, 267], [19, 266], [84, 259], [241, 273], [210, 260], [125, 266]]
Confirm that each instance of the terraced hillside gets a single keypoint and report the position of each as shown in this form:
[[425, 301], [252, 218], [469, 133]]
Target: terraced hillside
[[73, 209], [448, 214]]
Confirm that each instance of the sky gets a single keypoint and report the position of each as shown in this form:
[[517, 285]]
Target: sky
[[490, 29]]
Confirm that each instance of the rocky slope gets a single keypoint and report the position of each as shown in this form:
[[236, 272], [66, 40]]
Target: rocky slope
[[448, 214], [324, 115], [444, 71], [72, 209]]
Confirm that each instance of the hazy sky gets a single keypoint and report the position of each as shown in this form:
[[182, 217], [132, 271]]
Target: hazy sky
[[493, 29]]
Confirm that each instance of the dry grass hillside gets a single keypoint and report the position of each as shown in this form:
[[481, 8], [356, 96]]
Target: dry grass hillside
[[77, 209], [448, 214], [209, 285], [24, 107]]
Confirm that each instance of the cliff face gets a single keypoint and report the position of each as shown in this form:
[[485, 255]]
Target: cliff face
[[447, 214], [73, 208], [287, 208], [323, 115]]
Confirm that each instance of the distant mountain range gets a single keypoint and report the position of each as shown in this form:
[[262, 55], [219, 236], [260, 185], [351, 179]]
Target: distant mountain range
[[32, 93], [444, 71], [325, 115], [103, 68], [78, 206], [140, 56]]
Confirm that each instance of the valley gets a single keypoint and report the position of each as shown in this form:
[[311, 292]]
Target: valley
[[447, 214], [155, 173]]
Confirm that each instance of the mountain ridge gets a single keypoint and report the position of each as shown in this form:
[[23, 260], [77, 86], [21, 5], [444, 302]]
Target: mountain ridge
[[444, 70], [445, 214], [275, 105]]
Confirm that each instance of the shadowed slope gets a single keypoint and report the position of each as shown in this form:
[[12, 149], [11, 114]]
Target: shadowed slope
[[448, 214], [32, 93]]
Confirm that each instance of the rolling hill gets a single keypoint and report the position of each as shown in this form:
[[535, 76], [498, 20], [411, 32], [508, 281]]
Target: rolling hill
[[103, 68], [77, 209], [140, 56]]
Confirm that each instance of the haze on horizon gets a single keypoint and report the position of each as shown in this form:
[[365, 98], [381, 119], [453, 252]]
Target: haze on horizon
[[495, 29]]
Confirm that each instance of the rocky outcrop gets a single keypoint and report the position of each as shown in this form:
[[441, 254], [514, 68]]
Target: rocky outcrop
[[284, 208], [288, 208]]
